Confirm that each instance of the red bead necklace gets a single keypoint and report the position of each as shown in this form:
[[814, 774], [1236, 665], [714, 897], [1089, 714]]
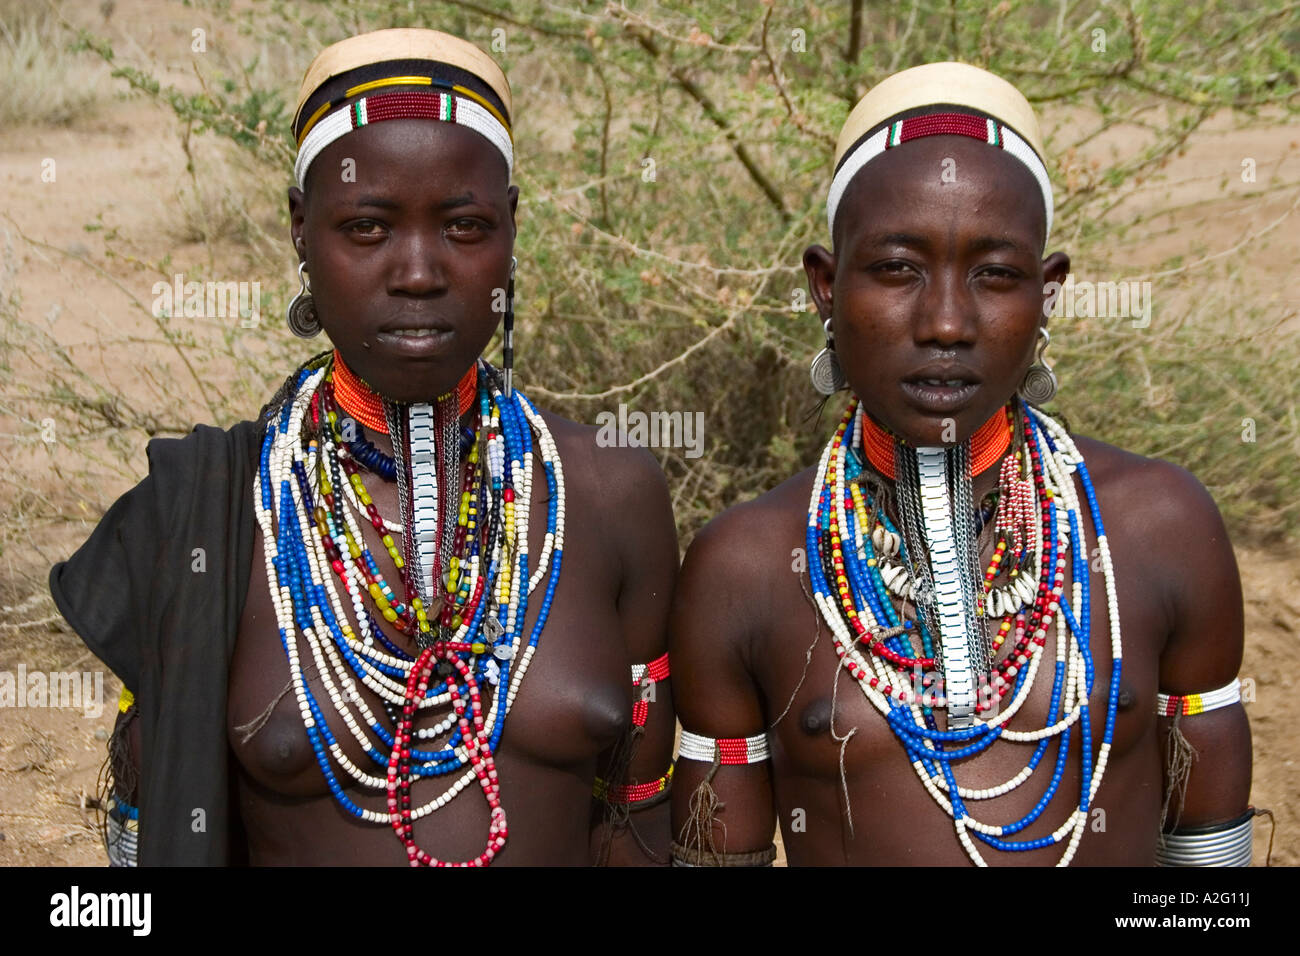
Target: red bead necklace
[[365, 405], [987, 446]]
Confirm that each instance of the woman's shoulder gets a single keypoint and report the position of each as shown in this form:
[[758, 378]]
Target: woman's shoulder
[[617, 500], [1161, 511], [1161, 489], [758, 539], [615, 473], [208, 439], [208, 453]]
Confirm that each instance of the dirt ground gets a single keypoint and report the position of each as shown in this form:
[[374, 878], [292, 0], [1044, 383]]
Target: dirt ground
[[124, 167]]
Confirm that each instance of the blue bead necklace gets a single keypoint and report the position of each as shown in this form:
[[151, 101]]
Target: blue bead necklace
[[853, 598], [312, 612]]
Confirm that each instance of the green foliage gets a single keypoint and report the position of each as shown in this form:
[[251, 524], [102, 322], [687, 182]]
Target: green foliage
[[669, 285]]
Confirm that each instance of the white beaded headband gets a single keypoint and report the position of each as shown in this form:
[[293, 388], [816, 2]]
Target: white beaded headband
[[936, 124], [445, 107]]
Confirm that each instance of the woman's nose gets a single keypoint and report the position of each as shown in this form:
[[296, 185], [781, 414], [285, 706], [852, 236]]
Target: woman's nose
[[947, 312], [419, 269]]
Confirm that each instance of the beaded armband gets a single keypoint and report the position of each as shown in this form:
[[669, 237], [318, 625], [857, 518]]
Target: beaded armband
[[646, 676], [122, 835], [122, 829], [640, 796], [685, 856], [1223, 844], [724, 750], [1172, 705]]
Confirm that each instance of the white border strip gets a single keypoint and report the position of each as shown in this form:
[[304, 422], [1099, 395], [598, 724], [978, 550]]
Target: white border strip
[[468, 114], [874, 145]]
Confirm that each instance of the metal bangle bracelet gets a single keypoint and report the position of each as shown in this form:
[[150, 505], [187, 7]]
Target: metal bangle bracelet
[[1222, 844]]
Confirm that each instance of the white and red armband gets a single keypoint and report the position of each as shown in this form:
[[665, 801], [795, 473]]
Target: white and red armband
[[646, 676], [1174, 705], [728, 751]]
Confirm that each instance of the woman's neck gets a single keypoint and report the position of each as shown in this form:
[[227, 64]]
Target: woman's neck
[[366, 406]]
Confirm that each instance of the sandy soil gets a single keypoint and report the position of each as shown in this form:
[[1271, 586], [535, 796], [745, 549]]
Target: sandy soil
[[124, 168]]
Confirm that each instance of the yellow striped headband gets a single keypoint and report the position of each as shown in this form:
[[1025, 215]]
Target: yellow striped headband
[[940, 99], [408, 52]]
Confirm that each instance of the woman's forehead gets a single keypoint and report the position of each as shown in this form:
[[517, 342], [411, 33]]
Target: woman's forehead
[[921, 182], [410, 156]]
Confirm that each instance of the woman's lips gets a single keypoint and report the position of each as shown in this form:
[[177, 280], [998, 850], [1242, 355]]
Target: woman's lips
[[940, 395], [417, 343]]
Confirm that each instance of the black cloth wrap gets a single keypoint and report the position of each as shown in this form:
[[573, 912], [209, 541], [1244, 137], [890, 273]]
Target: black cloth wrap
[[168, 631]]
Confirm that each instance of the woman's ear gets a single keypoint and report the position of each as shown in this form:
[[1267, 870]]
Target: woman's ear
[[819, 265], [1055, 268], [297, 219]]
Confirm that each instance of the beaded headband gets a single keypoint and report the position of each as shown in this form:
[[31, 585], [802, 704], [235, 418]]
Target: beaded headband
[[946, 123], [459, 105], [978, 103], [404, 45]]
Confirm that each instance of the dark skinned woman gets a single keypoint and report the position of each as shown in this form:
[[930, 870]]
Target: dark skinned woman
[[430, 620], [966, 636]]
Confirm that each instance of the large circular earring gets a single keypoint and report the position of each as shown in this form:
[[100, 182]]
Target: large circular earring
[[827, 376], [1039, 384], [302, 308]]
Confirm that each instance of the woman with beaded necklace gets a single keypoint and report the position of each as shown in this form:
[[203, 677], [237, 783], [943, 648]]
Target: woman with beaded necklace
[[965, 635], [401, 552]]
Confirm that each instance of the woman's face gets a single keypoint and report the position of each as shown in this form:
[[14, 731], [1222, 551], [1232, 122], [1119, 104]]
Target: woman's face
[[935, 289], [407, 228]]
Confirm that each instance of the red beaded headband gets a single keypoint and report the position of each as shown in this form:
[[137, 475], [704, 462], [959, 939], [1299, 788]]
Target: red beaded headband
[[946, 123]]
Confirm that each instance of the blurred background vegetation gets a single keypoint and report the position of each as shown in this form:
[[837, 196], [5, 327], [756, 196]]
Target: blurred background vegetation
[[673, 160]]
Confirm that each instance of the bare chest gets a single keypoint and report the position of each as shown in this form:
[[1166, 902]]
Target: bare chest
[[837, 757], [573, 700]]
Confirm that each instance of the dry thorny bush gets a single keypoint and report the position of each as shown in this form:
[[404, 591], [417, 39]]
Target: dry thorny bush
[[673, 166]]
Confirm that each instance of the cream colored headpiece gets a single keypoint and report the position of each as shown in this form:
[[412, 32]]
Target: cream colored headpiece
[[953, 89], [446, 102]]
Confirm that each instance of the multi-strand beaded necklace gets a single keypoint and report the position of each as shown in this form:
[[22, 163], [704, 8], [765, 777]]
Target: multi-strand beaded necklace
[[860, 561], [310, 500]]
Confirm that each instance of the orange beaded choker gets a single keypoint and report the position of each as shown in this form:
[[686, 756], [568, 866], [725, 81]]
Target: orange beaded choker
[[362, 402], [987, 446]]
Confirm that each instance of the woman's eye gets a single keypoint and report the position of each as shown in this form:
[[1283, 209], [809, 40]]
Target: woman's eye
[[892, 267], [366, 227], [1000, 272], [465, 227]]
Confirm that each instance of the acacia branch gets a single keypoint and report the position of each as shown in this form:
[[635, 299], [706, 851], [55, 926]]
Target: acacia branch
[[695, 92], [797, 118], [855, 33]]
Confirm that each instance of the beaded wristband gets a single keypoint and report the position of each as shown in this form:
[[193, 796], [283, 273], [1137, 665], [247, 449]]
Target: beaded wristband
[[1222, 844], [122, 836], [728, 750], [639, 796], [1172, 705], [682, 856]]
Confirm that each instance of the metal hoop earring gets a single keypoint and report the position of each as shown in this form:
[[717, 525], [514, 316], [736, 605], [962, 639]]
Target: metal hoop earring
[[827, 376], [1039, 384], [508, 333], [302, 308]]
